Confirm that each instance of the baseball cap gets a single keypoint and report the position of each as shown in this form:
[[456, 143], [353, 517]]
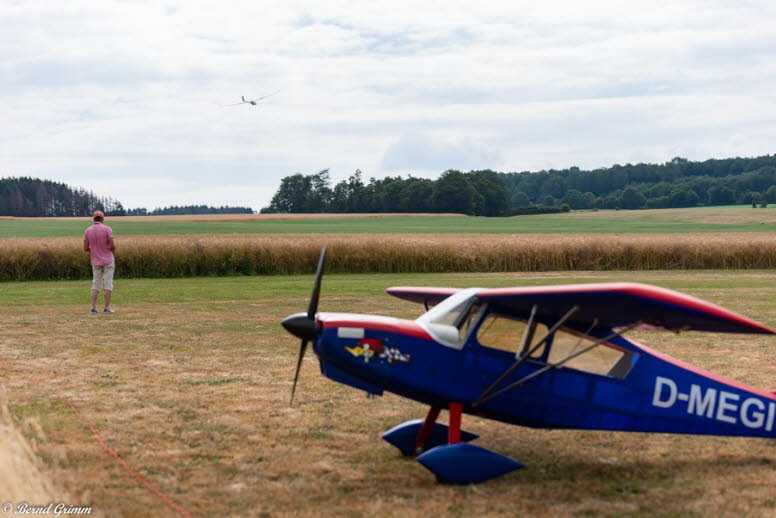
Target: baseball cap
[[98, 215]]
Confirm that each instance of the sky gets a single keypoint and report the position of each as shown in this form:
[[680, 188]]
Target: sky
[[136, 99]]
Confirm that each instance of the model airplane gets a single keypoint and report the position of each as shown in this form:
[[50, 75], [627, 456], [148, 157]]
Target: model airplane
[[546, 357], [253, 102]]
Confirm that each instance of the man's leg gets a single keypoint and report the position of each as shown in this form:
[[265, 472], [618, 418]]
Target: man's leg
[[97, 273], [108, 280]]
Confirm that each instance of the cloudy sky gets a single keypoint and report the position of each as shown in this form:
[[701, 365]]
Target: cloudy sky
[[128, 98]]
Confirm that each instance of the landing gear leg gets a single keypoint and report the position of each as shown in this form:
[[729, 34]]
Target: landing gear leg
[[454, 426], [425, 430]]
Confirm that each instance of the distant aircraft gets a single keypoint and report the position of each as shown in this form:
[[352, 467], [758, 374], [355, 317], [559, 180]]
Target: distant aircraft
[[253, 102]]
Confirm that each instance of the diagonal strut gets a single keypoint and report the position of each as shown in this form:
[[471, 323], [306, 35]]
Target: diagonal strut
[[528, 353], [550, 366]]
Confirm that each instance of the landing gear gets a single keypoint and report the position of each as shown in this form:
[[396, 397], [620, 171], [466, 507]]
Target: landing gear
[[444, 450], [419, 435]]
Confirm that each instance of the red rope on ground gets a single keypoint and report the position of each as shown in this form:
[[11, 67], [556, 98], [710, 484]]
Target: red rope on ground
[[137, 476]]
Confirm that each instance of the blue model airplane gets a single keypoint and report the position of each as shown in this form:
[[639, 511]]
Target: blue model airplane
[[546, 357]]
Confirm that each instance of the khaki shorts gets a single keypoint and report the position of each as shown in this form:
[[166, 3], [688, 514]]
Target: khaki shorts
[[103, 274]]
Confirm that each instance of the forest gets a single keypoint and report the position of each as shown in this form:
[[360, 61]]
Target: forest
[[32, 197], [677, 183]]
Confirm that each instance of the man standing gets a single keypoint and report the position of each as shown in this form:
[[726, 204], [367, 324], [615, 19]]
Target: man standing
[[98, 241]]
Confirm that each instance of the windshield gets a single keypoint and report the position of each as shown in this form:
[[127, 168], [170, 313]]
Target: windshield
[[450, 321]]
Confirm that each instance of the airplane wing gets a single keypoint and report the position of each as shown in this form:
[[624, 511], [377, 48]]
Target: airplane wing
[[613, 304], [621, 304], [262, 97], [422, 295]]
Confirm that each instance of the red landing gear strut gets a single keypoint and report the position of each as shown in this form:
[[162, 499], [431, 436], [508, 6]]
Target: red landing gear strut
[[453, 430], [425, 430], [454, 426]]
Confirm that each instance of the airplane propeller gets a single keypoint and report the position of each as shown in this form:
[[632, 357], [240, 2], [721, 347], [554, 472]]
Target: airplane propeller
[[302, 325]]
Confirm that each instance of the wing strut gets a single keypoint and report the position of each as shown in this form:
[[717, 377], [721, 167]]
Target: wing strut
[[530, 329], [525, 379], [524, 357]]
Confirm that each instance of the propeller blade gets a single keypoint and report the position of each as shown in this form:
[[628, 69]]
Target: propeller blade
[[316, 294], [302, 325], [302, 350]]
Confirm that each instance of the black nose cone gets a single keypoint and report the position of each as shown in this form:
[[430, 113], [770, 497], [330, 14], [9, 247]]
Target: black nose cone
[[300, 325]]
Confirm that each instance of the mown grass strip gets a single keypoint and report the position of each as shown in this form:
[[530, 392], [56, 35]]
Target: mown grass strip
[[602, 222]]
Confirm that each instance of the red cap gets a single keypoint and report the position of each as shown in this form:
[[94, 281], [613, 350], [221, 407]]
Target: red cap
[[98, 215]]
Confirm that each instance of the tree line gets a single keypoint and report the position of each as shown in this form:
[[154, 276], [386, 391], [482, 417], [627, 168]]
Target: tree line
[[482, 193], [175, 210], [677, 183], [32, 197]]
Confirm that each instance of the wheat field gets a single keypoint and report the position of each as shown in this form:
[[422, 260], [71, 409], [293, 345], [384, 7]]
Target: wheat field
[[247, 254]]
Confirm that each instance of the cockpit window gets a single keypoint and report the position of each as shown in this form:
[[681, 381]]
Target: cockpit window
[[506, 333], [602, 359], [469, 318]]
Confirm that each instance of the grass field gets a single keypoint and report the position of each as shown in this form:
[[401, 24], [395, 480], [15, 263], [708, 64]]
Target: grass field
[[189, 383], [698, 220]]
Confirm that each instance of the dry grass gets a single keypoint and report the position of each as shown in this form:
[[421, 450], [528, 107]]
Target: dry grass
[[194, 395], [244, 217], [187, 256], [23, 477]]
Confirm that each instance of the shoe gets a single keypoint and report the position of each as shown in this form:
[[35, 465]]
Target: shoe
[[107, 310], [93, 311]]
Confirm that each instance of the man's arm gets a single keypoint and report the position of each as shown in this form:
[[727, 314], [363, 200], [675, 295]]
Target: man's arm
[[111, 244], [86, 245]]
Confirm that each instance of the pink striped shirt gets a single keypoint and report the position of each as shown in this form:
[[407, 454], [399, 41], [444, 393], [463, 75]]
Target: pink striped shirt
[[97, 237]]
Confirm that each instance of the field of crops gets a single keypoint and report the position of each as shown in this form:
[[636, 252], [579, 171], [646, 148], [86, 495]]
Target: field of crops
[[208, 255], [189, 382]]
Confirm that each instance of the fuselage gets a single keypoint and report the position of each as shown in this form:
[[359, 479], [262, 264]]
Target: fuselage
[[643, 391]]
